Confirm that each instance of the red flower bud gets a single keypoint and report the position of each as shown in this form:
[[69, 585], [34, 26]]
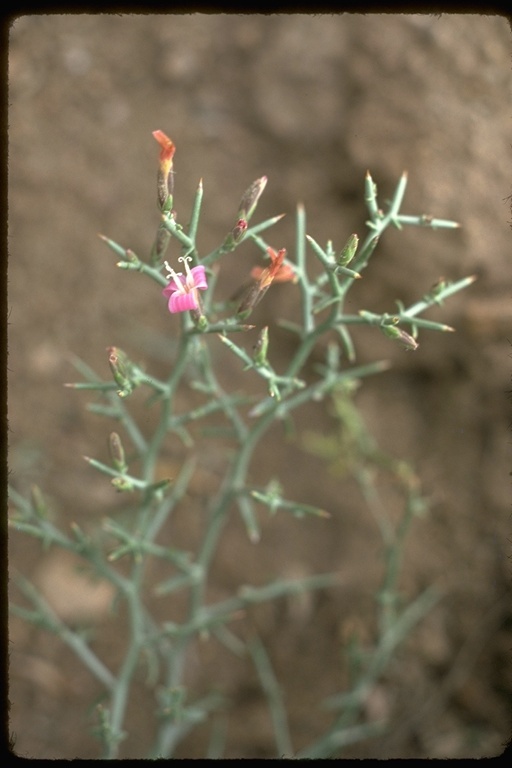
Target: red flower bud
[[165, 181]]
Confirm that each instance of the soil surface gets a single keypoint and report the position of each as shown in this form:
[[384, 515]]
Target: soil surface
[[312, 102]]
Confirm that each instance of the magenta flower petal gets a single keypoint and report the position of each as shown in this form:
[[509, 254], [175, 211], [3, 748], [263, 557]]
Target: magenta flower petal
[[172, 286], [181, 302], [199, 275]]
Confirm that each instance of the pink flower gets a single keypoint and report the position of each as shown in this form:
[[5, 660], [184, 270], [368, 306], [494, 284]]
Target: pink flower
[[182, 290]]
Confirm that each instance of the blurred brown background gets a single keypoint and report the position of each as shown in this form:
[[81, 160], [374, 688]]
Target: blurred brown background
[[312, 102]]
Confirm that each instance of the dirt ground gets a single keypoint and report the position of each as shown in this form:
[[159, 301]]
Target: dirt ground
[[312, 102]]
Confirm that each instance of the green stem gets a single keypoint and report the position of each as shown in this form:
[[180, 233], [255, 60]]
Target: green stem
[[75, 641], [119, 699], [153, 450]]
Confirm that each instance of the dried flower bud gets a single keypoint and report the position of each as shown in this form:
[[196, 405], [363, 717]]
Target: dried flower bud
[[260, 284], [252, 296], [348, 251], [158, 251], [121, 369], [250, 198], [117, 452], [392, 332]]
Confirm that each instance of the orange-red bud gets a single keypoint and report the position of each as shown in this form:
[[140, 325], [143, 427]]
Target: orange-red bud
[[165, 182]]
